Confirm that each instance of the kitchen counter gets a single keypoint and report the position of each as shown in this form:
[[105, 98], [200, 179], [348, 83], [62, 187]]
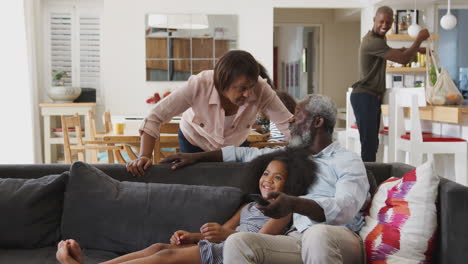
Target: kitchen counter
[[446, 114]]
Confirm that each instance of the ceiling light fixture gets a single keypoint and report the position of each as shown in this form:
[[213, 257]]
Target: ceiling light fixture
[[414, 29], [448, 21]]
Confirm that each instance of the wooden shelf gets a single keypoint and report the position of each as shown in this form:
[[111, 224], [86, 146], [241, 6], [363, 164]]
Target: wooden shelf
[[407, 37], [407, 69]]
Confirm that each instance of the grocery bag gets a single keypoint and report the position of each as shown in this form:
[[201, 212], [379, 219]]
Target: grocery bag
[[440, 89]]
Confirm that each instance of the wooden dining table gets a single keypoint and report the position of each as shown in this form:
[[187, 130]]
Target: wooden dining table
[[167, 140]]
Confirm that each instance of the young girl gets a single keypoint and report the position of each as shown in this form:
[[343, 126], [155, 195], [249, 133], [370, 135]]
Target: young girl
[[289, 171]]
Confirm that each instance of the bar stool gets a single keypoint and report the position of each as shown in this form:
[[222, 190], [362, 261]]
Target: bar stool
[[418, 144]]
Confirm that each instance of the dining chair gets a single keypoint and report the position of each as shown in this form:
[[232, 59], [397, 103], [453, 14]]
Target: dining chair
[[415, 142], [165, 149], [127, 154], [94, 133], [77, 146]]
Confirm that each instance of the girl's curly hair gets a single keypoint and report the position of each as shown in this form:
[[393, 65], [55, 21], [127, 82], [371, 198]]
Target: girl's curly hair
[[301, 168]]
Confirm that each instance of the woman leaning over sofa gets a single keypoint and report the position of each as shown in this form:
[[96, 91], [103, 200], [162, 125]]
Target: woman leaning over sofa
[[219, 107]]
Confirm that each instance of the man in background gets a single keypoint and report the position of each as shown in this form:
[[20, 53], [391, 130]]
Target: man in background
[[367, 94]]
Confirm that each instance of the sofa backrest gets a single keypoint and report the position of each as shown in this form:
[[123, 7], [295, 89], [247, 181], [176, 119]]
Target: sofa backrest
[[208, 173]]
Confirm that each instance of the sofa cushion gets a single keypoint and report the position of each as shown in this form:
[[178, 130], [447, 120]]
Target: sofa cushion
[[102, 213], [31, 211], [402, 220]]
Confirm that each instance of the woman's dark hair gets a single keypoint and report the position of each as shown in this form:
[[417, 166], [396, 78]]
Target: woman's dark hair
[[301, 168], [233, 65], [264, 74], [287, 100]]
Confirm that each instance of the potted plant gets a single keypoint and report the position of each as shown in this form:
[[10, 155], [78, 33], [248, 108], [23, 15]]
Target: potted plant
[[59, 92]]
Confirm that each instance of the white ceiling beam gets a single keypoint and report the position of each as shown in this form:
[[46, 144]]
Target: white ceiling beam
[[347, 14], [321, 3]]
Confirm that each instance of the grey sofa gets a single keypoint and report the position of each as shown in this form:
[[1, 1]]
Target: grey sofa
[[452, 246]]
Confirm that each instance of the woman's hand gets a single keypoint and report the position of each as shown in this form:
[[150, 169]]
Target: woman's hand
[[180, 159], [183, 237], [215, 232], [137, 167]]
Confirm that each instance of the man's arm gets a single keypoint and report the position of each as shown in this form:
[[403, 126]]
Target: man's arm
[[282, 204], [180, 160], [227, 154], [351, 190], [243, 154], [404, 56]]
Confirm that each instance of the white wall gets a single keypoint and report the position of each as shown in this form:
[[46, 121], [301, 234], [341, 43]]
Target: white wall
[[125, 87], [17, 133]]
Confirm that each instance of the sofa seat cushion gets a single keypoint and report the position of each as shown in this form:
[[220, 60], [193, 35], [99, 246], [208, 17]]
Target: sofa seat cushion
[[31, 211], [46, 255], [402, 220], [103, 213]]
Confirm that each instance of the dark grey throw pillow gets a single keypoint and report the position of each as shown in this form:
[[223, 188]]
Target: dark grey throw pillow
[[103, 213], [30, 211], [372, 182]]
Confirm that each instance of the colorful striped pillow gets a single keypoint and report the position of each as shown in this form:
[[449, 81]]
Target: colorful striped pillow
[[402, 220]]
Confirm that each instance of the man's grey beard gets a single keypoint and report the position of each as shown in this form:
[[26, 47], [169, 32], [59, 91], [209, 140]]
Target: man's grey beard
[[301, 140]]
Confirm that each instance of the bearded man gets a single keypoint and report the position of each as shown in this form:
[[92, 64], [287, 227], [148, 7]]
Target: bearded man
[[327, 219]]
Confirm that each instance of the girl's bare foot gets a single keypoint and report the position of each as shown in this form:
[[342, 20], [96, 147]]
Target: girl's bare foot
[[63, 254], [75, 250]]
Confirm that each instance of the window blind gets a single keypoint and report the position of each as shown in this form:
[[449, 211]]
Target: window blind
[[75, 46], [61, 44], [90, 51]]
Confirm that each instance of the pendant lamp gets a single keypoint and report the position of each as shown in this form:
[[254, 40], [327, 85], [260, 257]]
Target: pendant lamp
[[448, 21], [414, 29]]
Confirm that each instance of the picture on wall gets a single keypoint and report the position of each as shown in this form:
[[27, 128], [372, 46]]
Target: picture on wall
[[404, 19], [283, 75], [291, 75], [296, 73]]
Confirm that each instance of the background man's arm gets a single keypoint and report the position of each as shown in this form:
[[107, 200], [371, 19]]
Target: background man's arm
[[404, 55]]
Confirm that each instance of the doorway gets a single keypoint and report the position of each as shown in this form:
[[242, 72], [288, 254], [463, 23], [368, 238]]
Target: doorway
[[297, 58], [316, 51]]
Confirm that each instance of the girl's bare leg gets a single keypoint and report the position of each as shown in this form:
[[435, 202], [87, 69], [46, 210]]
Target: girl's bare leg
[[187, 255], [151, 250], [69, 252]]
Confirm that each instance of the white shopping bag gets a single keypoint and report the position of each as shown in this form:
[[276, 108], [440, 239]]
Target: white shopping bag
[[440, 89]]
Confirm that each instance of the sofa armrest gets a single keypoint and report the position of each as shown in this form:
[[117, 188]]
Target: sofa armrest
[[453, 217]]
